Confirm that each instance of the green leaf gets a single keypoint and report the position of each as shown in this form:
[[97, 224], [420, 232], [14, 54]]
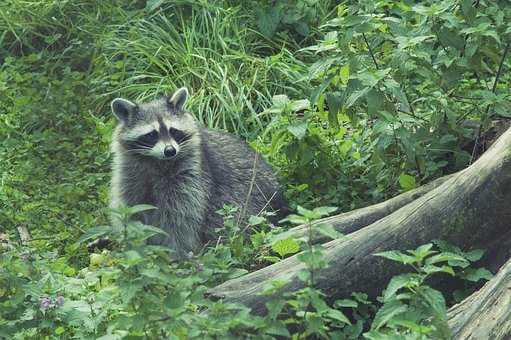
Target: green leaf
[[474, 255], [299, 105], [324, 211], [475, 275], [397, 256], [256, 220], [268, 20], [327, 230], [175, 300], [338, 316], [407, 182], [60, 330], [451, 258], [298, 129], [151, 5], [335, 100], [285, 247], [139, 208], [94, 233], [435, 300], [346, 303], [431, 269], [278, 328], [398, 282], [295, 219], [344, 74], [422, 251], [387, 312]]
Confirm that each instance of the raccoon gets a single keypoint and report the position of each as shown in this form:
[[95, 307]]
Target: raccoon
[[163, 157]]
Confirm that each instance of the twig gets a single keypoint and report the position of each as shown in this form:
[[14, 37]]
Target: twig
[[252, 181], [370, 51], [24, 234]]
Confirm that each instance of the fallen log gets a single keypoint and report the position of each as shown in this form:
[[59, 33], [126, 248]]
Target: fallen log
[[471, 209], [486, 314], [352, 221]]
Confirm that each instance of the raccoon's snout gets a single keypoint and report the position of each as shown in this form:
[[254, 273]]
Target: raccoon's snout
[[169, 151]]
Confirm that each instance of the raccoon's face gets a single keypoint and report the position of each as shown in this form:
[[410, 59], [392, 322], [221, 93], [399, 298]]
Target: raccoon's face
[[160, 129]]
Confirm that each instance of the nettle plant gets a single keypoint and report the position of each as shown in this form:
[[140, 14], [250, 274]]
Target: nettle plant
[[399, 90], [138, 290], [410, 305]]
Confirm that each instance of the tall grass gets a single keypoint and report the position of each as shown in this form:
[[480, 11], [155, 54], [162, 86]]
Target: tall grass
[[210, 50]]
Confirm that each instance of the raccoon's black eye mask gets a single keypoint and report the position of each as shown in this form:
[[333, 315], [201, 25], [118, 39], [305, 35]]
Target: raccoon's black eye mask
[[179, 136], [149, 139]]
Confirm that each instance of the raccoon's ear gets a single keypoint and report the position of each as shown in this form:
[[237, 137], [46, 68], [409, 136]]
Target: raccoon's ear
[[122, 109], [178, 100]]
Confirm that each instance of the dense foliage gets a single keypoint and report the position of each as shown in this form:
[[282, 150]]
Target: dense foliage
[[351, 103]]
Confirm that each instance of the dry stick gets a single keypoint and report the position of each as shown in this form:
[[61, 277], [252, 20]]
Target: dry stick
[[24, 234], [352, 221], [252, 181]]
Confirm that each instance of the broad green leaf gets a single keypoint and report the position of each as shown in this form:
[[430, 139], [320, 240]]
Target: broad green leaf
[[407, 182], [451, 258], [278, 328], [335, 101], [268, 20], [286, 247], [296, 219], [298, 129], [431, 269], [175, 300], [435, 300], [397, 256], [474, 275], [346, 303], [94, 233], [256, 220], [474, 255], [344, 74], [324, 211], [327, 230], [338, 316], [398, 282], [280, 101], [388, 311], [299, 105], [422, 251]]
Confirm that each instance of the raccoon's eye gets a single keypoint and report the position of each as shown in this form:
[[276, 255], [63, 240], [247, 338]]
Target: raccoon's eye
[[149, 138], [178, 135]]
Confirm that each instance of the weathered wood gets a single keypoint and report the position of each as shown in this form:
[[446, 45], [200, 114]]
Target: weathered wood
[[352, 221], [23, 233], [470, 209], [486, 314]]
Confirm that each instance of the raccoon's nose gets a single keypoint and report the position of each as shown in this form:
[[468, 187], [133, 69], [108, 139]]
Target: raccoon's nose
[[169, 151]]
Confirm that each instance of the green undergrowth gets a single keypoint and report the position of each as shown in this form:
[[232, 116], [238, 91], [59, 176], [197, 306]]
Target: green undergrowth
[[351, 103]]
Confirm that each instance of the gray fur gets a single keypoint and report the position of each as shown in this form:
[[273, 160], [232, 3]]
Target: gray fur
[[210, 169]]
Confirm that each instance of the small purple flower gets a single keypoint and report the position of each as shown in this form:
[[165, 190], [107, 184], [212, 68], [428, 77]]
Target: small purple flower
[[59, 301], [45, 304]]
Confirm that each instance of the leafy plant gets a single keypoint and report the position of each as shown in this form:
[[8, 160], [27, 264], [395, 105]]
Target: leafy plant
[[410, 305]]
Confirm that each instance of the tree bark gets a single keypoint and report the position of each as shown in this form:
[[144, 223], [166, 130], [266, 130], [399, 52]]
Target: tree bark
[[349, 222], [486, 314], [471, 209]]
